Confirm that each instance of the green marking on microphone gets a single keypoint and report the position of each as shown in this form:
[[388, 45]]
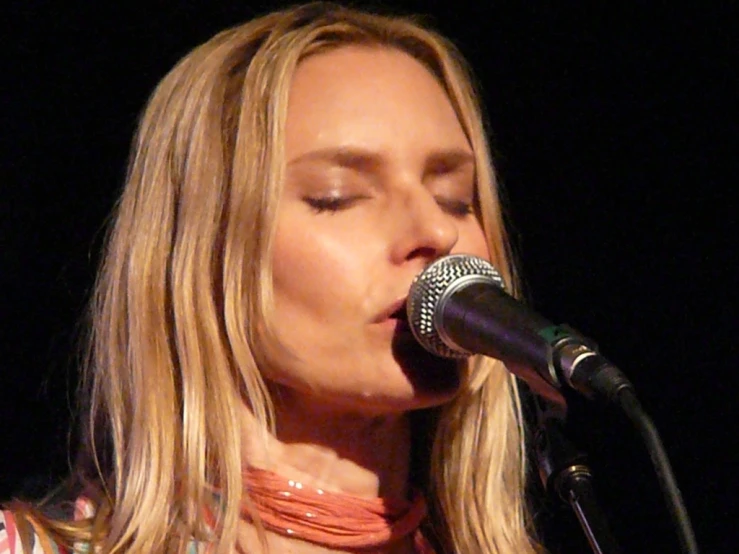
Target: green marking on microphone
[[553, 333]]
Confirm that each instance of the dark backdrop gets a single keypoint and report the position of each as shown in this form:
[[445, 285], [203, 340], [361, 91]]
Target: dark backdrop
[[615, 135]]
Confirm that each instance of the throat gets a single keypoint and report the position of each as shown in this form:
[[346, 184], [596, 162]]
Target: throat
[[354, 454]]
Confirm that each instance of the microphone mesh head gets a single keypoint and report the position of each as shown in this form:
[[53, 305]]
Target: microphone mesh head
[[431, 287]]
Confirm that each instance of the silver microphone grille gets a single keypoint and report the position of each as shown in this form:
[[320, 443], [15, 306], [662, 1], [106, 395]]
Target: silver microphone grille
[[429, 292]]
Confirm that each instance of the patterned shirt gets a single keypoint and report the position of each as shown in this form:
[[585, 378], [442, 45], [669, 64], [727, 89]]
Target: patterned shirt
[[39, 540]]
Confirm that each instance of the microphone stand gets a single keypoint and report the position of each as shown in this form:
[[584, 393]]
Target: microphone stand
[[564, 469]]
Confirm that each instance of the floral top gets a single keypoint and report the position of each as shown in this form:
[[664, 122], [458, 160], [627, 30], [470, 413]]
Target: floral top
[[41, 543]]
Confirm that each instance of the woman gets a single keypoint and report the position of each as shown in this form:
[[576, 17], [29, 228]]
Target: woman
[[249, 359]]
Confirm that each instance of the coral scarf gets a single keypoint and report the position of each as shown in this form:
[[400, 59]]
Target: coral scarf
[[331, 519]]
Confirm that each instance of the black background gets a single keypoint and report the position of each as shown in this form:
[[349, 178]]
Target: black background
[[615, 135]]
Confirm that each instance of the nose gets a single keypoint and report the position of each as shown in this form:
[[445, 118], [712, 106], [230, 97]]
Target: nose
[[424, 229]]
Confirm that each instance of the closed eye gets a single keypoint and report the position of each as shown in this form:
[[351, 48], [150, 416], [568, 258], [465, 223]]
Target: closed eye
[[458, 208], [330, 204]]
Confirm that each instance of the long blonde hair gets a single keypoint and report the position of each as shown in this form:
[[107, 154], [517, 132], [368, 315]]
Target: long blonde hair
[[184, 292]]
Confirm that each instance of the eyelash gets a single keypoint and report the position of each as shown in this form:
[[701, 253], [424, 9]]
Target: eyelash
[[455, 207], [330, 204]]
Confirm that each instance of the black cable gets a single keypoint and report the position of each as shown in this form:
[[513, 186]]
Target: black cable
[[641, 420]]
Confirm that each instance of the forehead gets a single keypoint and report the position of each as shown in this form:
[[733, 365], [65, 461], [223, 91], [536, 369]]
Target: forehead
[[373, 97]]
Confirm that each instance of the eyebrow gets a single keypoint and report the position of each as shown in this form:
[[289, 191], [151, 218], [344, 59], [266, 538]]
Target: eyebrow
[[363, 159]]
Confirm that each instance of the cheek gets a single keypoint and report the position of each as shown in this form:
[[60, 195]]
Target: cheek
[[299, 269], [313, 270], [305, 279], [295, 262], [472, 240]]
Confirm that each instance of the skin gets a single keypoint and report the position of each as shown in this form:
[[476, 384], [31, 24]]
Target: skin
[[380, 182]]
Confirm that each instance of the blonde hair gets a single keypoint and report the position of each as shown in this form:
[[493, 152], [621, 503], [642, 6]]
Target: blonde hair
[[182, 302]]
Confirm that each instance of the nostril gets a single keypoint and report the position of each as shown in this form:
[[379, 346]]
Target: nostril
[[427, 252]]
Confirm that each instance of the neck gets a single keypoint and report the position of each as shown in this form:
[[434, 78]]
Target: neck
[[366, 456], [357, 454]]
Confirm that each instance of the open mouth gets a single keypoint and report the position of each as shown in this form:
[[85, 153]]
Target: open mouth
[[400, 317], [400, 314]]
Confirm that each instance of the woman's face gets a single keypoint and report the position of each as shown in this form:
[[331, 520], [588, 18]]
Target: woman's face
[[380, 182]]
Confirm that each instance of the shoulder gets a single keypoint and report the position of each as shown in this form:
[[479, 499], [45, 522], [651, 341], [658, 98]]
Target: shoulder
[[10, 535], [20, 534], [17, 531], [7, 532]]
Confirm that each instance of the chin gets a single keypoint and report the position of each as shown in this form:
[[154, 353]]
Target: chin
[[435, 380]]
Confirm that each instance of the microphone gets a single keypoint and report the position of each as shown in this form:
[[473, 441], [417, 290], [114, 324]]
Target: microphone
[[458, 307]]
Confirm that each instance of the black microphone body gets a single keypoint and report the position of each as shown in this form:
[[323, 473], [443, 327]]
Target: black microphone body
[[483, 319], [470, 313]]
